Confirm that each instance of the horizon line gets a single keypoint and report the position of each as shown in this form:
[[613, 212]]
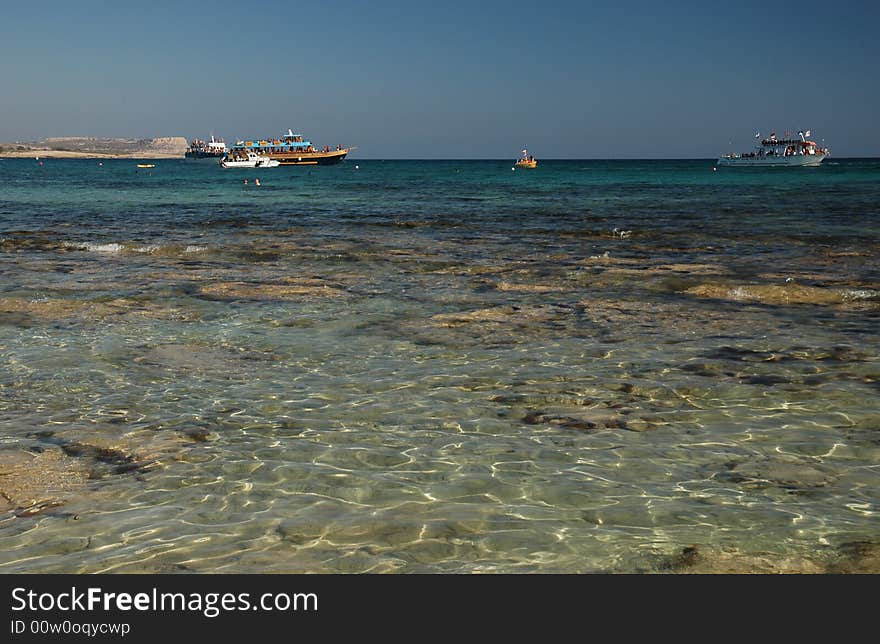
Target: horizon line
[[572, 158], [460, 159]]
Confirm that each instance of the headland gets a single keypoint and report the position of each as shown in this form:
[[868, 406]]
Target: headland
[[71, 147]]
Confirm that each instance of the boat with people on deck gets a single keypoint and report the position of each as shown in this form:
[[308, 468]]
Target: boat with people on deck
[[787, 151], [247, 159], [199, 149], [291, 149], [526, 161]]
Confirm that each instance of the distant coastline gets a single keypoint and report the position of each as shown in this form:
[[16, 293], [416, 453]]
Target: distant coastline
[[79, 147]]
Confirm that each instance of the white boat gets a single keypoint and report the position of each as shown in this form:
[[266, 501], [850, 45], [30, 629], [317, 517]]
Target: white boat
[[213, 149], [774, 152], [251, 160]]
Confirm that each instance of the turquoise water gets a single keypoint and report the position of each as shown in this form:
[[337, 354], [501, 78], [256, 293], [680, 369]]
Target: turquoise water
[[437, 366]]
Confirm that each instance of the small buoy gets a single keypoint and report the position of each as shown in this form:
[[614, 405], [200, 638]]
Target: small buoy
[[513, 169], [100, 163], [357, 167], [714, 169]]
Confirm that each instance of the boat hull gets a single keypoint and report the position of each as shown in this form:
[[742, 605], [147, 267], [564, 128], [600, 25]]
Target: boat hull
[[190, 154], [248, 164], [795, 161], [309, 158], [531, 165]]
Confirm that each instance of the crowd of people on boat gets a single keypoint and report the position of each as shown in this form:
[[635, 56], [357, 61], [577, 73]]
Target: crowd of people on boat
[[278, 146], [795, 149], [199, 144]]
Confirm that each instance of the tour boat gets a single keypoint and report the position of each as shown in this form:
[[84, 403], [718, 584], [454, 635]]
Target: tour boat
[[213, 149], [785, 152], [291, 149]]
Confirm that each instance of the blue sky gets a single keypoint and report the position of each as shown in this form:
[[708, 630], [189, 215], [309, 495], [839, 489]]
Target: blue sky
[[626, 79]]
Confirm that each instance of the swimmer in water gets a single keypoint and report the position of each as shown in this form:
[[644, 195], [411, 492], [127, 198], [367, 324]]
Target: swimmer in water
[[257, 181]]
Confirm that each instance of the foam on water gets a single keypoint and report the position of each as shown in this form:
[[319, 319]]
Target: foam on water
[[93, 247]]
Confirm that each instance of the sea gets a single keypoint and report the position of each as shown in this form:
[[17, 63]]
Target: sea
[[439, 367]]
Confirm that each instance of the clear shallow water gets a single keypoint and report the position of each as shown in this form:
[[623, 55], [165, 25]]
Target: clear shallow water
[[437, 366]]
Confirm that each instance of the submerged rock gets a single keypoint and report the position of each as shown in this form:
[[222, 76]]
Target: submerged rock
[[527, 288], [659, 317], [16, 319], [592, 420], [55, 308], [27, 311], [58, 466], [203, 358], [570, 422], [697, 559], [502, 315], [304, 288], [858, 557], [781, 294], [31, 483], [505, 325], [786, 472]]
